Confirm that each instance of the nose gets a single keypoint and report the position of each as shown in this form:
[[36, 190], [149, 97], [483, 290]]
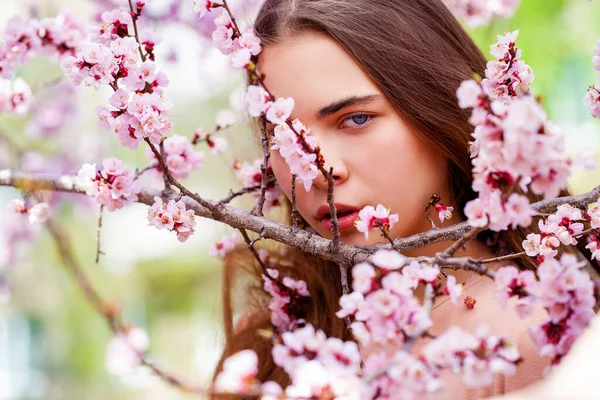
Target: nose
[[335, 164]]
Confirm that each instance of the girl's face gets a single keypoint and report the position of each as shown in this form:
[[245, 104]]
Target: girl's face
[[376, 157]]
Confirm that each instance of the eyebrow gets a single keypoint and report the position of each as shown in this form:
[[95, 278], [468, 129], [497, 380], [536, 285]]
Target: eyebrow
[[347, 102]]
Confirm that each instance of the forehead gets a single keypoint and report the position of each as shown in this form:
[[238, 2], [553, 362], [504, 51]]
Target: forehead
[[313, 69]]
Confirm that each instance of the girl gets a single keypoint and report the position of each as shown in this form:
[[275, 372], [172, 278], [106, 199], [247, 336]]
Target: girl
[[375, 81]]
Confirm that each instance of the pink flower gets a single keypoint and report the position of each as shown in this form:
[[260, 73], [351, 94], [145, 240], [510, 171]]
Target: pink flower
[[284, 295], [387, 259], [251, 42], [362, 277], [124, 352], [113, 186], [301, 163], [510, 282], [258, 100], [280, 111], [180, 157], [224, 245], [443, 211], [172, 216], [38, 213], [119, 99], [369, 218], [594, 247], [452, 289], [250, 175], [469, 94], [203, 6], [239, 374]]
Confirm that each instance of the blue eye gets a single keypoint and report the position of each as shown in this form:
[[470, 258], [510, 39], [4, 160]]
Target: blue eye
[[358, 119]]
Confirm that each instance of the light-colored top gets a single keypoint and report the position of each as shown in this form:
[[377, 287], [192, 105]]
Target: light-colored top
[[500, 321]]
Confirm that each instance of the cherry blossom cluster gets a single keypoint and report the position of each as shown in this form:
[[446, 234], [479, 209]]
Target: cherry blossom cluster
[[250, 176], [382, 301], [478, 358], [507, 127], [57, 37], [592, 97], [319, 367], [224, 245], [15, 97], [301, 161], [379, 217], [286, 296], [561, 227], [563, 288], [475, 13], [125, 351], [114, 58], [293, 141], [239, 46], [172, 216], [508, 76], [179, 155], [36, 213], [566, 291], [112, 186]]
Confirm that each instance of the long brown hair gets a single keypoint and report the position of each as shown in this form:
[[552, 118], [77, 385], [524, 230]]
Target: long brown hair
[[417, 54]]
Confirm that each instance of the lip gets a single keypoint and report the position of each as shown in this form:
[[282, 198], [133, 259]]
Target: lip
[[345, 222]]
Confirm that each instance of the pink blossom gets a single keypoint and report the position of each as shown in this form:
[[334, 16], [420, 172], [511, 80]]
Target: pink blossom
[[258, 100], [387, 259], [594, 247], [15, 97], [301, 163], [469, 94], [250, 175], [203, 6], [238, 374], [283, 296], [172, 216], [38, 213], [475, 13], [452, 289], [251, 42], [280, 111], [443, 211], [119, 99], [511, 282], [124, 352], [224, 245], [180, 157], [369, 218], [362, 277], [113, 186]]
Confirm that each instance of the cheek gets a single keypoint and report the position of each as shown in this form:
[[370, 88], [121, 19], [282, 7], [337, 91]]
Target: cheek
[[282, 173]]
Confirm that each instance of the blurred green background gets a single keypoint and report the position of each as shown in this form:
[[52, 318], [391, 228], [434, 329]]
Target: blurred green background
[[52, 343]]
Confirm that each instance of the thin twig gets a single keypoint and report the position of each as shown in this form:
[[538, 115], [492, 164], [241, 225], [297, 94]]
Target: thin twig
[[98, 251], [263, 168], [294, 210], [134, 17], [335, 225], [232, 195]]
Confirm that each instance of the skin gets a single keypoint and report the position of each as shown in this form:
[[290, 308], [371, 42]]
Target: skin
[[375, 155]]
